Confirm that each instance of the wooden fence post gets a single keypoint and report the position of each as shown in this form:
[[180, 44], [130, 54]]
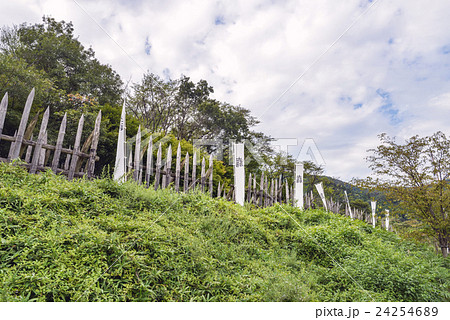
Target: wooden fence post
[[194, 168], [249, 188], [202, 176], [158, 167], [149, 167], [94, 144], [137, 155], [178, 169], [23, 122], [76, 148], [3, 108], [261, 191], [211, 168], [59, 142], [40, 141], [28, 153], [186, 173], [167, 167]]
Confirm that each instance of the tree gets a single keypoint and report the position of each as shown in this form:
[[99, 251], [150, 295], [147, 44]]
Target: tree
[[52, 47], [416, 173]]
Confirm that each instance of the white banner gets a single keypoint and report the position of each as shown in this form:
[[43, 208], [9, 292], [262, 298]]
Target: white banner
[[387, 219], [374, 207], [319, 188], [298, 186], [120, 165], [239, 172]]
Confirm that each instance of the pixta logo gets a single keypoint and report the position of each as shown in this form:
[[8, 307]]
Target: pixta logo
[[308, 151]]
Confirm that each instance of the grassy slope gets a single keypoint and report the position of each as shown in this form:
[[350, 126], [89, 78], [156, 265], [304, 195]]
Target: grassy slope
[[58, 241]]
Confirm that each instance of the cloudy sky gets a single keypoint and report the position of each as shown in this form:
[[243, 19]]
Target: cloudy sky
[[339, 72]]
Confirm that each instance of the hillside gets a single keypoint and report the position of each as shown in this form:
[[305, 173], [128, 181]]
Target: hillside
[[100, 241]]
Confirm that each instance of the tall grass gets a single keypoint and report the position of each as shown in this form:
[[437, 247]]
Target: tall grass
[[101, 241]]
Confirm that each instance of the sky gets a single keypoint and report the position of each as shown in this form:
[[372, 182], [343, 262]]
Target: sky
[[337, 72]]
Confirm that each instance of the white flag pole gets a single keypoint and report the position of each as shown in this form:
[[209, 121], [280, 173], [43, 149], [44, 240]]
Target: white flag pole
[[348, 204], [319, 188], [239, 172], [298, 186], [374, 207], [387, 219], [120, 165]]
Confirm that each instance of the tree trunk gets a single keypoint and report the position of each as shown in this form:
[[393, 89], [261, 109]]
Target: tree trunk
[[444, 251]]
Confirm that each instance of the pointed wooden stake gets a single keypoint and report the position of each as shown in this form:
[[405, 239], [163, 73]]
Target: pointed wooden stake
[[23, 123], [261, 191], [29, 150], [219, 190], [203, 177], [40, 141], [186, 173], [44, 155], [158, 167], [249, 188], [168, 176], [59, 142], [149, 167], [210, 170], [178, 169], [93, 151], [137, 154], [76, 148], [3, 108], [287, 192], [194, 170]]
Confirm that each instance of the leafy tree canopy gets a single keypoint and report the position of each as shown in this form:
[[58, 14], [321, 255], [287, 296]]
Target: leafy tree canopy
[[416, 174]]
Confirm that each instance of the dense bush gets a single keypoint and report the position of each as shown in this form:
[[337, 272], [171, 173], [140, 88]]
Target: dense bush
[[101, 241]]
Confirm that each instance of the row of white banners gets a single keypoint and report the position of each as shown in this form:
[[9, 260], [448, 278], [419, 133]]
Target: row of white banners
[[239, 183]]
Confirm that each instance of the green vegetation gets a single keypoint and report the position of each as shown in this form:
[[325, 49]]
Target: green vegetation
[[101, 241]]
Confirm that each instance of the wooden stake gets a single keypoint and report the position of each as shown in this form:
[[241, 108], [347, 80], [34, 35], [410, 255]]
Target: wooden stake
[[76, 148], [94, 144], [29, 132], [3, 108], [137, 154], [59, 142], [149, 166], [194, 168], [67, 162], [158, 167], [40, 141], [29, 150], [186, 173], [211, 168], [203, 177], [167, 167], [23, 122], [219, 190], [261, 191], [178, 169], [249, 188]]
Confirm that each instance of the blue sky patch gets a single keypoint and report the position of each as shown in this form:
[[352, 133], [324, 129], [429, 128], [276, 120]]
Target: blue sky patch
[[357, 106], [219, 20], [446, 49], [387, 108], [166, 73], [148, 46]]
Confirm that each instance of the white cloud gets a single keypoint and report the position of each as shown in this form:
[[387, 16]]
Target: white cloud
[[388, 73]]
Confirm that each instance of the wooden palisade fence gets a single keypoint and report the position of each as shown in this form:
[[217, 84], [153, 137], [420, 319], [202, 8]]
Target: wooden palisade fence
[[261, 191], [36, 154]]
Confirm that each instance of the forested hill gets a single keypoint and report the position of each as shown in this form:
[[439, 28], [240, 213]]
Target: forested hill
[[101, 241]]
